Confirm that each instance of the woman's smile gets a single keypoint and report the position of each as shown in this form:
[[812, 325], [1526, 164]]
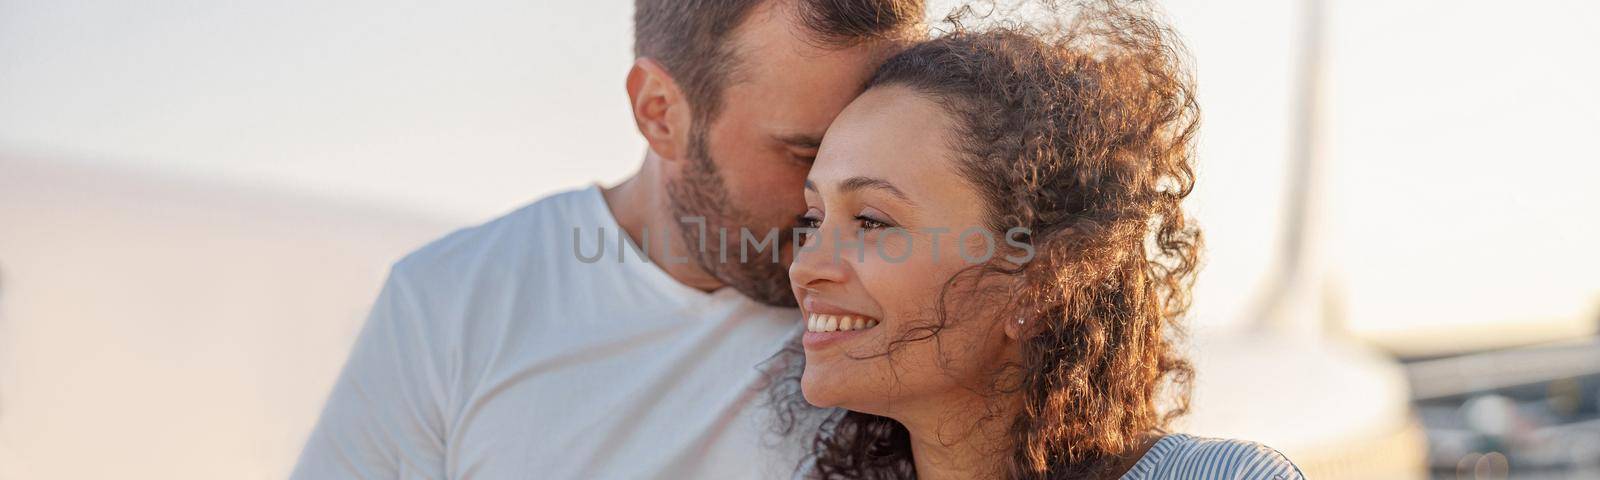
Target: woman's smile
[[827, 324]]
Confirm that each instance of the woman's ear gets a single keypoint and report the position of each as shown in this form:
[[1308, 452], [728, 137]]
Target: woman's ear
[[1017, 327], [1022, 321], [659, 108]]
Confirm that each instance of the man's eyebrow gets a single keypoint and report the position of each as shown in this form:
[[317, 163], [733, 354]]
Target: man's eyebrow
[[873, 183], [802, 140]]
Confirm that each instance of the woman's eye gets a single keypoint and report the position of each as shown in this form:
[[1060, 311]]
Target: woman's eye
[[869, 223], [806, 227]]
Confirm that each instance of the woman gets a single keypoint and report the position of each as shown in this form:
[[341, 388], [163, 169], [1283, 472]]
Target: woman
[[997, 259]]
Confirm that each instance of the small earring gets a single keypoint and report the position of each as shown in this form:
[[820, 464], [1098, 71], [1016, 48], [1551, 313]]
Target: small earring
[[1020, 321]]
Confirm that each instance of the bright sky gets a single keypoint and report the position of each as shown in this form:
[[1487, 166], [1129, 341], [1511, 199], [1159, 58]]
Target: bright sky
[[1462, 176]]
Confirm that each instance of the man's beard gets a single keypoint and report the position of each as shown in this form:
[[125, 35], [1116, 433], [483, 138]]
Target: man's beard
[[701, 193]]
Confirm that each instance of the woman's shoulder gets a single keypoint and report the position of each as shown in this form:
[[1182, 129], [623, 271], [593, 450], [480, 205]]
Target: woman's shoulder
[[1182, 456]]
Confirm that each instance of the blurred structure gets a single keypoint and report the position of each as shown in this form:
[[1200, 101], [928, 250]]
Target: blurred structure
[[1510, 411], [1523, 412], [1335, 406]]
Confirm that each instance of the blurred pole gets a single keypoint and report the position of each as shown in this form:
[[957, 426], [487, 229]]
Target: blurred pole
[[1299, 297]]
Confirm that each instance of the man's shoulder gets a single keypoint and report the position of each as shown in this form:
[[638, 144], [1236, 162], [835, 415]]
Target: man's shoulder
[[501, 245]]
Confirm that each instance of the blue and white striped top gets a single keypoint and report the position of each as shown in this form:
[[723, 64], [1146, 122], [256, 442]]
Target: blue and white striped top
[[1185, 457]]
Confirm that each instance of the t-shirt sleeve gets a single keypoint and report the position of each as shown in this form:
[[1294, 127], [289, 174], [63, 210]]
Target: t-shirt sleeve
[[384, 418]]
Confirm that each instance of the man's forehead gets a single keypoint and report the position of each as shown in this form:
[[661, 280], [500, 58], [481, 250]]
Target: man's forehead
[[791, 84]]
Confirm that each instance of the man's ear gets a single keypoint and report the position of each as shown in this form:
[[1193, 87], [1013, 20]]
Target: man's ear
[[659, 108]]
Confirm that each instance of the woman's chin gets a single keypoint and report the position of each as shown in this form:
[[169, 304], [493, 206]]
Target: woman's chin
[[818, 391]]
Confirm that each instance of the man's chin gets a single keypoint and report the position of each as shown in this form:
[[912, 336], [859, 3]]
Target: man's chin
[[766, 286], [784, 300]]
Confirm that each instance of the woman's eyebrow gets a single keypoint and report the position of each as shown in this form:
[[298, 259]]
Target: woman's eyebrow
[[873, 183]]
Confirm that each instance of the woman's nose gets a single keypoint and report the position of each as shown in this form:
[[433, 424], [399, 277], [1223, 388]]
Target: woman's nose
[[817, 261]]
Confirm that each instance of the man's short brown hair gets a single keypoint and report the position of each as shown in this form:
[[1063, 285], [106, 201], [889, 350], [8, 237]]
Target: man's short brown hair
[[690, 38]]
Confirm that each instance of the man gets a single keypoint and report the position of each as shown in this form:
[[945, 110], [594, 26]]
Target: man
[[539, 346]]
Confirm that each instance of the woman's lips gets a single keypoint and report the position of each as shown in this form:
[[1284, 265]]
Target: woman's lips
[[816, 340]]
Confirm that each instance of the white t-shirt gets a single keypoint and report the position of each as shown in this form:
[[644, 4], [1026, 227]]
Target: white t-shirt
[[496, 352]]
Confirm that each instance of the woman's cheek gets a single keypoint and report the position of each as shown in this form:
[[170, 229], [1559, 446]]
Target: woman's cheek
[[893, 246], [906, 287]]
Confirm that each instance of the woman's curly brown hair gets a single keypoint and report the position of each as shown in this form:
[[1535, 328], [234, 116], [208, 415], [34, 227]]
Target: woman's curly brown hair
[[1082, 133]]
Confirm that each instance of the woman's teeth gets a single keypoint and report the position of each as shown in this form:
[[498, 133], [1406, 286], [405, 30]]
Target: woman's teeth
[[838, 323]]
